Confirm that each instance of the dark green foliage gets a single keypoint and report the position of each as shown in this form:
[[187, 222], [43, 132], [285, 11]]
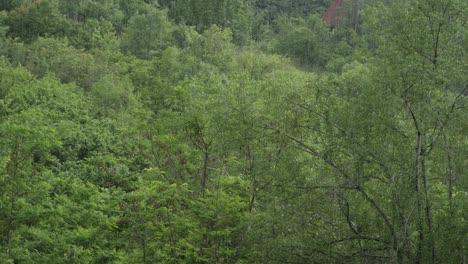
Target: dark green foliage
[[79, 11], [307, 41], [236, 15], [297, 9], [55, 56], [36, 19], [147, 33]]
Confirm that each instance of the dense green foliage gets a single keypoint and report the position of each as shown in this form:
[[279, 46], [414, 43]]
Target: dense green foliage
[[242, 131]]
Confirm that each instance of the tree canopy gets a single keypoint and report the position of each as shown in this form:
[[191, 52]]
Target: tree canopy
[[233, 131]]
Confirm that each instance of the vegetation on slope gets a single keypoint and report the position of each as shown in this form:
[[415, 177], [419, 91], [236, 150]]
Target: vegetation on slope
[[238, 131]]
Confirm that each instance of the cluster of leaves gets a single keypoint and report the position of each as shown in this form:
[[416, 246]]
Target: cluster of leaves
[[232, 132]]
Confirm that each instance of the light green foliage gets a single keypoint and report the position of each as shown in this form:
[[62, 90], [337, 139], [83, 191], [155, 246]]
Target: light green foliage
[[134, 134], [32, 127], [214, 46], [10, 78], [156, 221], [94, 34], [427, 45], [220, 217]]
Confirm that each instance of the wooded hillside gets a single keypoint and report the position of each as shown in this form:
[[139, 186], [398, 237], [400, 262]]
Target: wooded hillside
[[233, 131]]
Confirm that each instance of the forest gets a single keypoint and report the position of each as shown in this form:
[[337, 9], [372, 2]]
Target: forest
[[233, 131]]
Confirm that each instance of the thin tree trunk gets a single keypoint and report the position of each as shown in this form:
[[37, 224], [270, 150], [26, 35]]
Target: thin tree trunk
[[359, 188], [428, 210], [204, 178], [420, 220], [451, 172]]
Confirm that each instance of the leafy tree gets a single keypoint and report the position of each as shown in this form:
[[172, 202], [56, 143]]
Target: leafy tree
[[157, 223], [147, 33], [236, 15], [34, 19], [7, 5], [3, 27], [37, 200], [55, 55], [129, 137], [93, 34], [307, 41], [220, 222], [131, 8], [429, 103], [344, 128], [113, 93], [297, 9], [214, 46], [82, 10]]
